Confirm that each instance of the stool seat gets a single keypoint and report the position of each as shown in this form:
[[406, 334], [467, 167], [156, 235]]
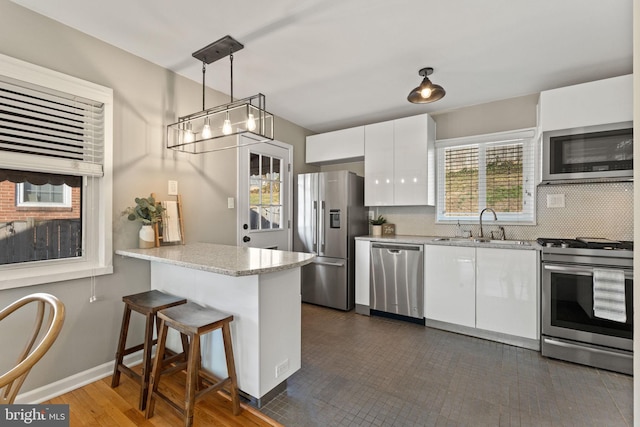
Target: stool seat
[[148, 304], [193, 320], [152, 301]]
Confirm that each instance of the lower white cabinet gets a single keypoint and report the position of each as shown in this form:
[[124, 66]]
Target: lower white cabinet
[[362, 275], [450, 284], [489, 289], [507, 292]]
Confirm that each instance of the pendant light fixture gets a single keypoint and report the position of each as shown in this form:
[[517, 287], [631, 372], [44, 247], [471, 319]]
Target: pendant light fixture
[[427, 91], [237, 123]]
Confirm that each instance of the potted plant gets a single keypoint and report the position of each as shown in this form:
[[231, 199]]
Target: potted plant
[[149, 213], [376, 225]]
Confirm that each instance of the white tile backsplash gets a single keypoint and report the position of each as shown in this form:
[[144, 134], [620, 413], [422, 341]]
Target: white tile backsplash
[[590, 210]]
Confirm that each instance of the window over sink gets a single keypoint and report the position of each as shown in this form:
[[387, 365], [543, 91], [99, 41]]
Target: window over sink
[[487, 171]]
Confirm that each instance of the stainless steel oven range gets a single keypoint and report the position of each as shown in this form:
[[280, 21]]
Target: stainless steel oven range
[[587, 302]]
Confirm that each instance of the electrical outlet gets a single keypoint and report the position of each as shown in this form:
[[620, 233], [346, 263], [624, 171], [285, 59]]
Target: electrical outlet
[[372, 215], [230, 203], [555, 200], [282, 368], [172, 188]]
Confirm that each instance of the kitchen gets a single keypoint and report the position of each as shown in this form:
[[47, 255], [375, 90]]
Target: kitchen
[[143, 104]]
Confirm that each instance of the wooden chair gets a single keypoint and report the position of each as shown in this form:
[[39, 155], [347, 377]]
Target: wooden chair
[[12, 380]]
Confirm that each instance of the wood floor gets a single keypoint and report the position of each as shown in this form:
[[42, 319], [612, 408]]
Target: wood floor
[[97, 404]]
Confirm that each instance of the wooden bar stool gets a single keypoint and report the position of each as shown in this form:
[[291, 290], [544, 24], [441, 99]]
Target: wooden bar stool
[[194, 321], [147, 304]]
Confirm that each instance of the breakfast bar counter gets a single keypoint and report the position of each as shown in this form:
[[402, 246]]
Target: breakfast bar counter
[[260, 287]]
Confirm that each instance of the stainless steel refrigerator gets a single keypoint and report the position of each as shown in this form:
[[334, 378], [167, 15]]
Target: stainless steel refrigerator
[[329, 212]]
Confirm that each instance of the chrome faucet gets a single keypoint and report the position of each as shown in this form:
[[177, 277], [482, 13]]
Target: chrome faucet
[[495, 218]]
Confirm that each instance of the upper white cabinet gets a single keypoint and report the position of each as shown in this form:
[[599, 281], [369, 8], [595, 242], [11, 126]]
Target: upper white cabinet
[[507, 291], [594, 103], [337, 146], [378, 164], [399, 162]]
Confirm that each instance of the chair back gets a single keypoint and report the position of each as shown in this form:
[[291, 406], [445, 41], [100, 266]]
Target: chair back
[[12, 380]]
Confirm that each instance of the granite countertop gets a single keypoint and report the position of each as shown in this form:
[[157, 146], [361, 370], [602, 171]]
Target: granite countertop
[[454, 241], [222, 259]]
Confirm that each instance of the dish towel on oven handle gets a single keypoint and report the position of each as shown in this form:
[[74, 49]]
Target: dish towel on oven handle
[[609, 295]]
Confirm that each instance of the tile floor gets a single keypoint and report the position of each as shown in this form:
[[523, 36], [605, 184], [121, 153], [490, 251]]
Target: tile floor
[[372, 371]]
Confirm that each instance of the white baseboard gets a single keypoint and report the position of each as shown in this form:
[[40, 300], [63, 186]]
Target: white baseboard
[[73, 382]]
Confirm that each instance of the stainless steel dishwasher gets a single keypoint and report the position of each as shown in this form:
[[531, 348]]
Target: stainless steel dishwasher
[[397, 283]]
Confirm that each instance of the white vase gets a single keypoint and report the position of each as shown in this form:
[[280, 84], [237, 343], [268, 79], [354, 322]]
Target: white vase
[[146, 237], [376, 230]]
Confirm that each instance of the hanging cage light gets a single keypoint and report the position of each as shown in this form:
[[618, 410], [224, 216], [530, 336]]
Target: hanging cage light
[[427, 91], [238, 123]]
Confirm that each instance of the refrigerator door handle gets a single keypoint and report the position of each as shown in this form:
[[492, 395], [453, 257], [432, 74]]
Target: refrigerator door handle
[[314, 225], [322, 229]]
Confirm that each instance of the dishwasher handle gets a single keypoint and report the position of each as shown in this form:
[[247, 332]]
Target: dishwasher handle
[[397, 248]]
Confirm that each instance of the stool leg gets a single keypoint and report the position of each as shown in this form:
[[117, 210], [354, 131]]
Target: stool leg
[[157, 367], [124, 330], [185, 346], [146, 360], [231, 369], [192, 380]]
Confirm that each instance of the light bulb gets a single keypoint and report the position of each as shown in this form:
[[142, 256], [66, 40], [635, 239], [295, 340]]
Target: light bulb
[[189, 136], [226, 127], [206, 129], [251, 122], [426, 92]]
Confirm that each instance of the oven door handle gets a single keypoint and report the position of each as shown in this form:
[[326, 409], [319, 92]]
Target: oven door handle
[[582, 271], [591, 349]]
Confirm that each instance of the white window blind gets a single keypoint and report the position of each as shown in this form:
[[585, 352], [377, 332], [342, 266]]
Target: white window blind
[[487, 171], [57, 129], [65, 132]]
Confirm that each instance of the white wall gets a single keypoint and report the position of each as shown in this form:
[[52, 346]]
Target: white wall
[[147, 98]]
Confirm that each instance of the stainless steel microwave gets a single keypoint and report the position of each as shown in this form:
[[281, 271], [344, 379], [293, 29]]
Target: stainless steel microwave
[[588, 154]]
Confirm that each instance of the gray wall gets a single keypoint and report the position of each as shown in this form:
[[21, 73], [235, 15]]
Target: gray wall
[[147, 98], [497, 116]]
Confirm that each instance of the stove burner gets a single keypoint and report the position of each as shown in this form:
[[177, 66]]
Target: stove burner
[[604, 244]]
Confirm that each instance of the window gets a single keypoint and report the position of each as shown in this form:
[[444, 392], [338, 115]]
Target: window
[[265, 182], [43, 196], [55, 176], [487, 171]]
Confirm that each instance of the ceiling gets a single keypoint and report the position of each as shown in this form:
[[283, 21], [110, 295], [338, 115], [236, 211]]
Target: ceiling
[[332, 64]]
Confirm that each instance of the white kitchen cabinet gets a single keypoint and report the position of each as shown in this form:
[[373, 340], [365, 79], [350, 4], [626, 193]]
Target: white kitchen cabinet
[[378, 164], [399, 162], [337, 146], [450, 284], [362, 271], [507, 291], [588, 104]]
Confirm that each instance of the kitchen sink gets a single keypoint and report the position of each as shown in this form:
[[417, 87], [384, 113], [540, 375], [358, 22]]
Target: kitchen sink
[[481, 240], [503, 242]]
